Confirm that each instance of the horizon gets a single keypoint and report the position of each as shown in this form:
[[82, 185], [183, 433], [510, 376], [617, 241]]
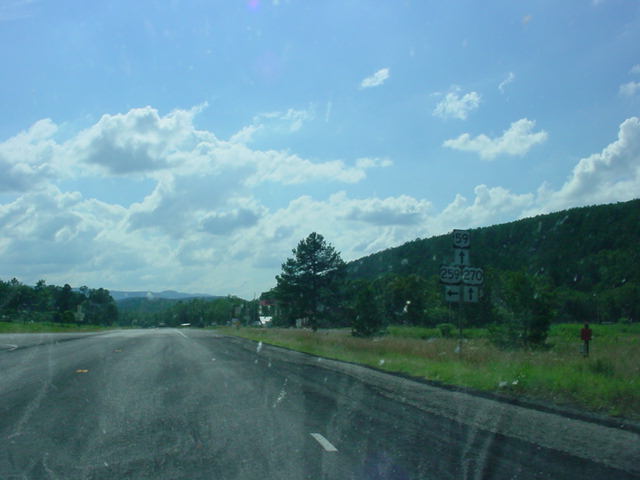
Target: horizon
[[190, 147]]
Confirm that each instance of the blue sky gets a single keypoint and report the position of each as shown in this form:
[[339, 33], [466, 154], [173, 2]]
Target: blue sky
[[191, 145]]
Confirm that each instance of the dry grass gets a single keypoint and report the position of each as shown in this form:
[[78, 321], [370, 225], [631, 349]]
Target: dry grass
[[607, 382]]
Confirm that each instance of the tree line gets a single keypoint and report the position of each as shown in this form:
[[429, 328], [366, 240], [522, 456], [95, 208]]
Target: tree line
[[197, 312], [52, 303]]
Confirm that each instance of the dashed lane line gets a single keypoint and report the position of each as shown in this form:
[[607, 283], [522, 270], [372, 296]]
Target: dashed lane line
[[326, 444], [182, 334]]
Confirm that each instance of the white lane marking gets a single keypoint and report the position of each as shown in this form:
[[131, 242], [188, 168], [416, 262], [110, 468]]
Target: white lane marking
[[10, 347], [182, 334], [326, 444]]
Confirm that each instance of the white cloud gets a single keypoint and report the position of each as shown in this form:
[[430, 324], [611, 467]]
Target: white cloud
[[292, 119], [246, 134], [138, 141], [455, 106], [291, 169], [205, 225], [490, 206], [376, 79], [270, 123], [517, 140], [27, 159], [629, 89], [510, 78], [368, 162], [401, 210], [609, 176], [143, 143], [635, 69]]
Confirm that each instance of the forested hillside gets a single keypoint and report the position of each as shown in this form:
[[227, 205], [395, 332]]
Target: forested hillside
[[587, 258]]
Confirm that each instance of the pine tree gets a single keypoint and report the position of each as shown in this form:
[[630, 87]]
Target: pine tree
[[311, 281]]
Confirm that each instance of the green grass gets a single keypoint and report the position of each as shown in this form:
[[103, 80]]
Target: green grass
[[607, 382], [47, 327]]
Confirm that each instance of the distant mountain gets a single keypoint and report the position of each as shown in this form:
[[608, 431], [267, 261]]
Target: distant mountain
[[119, 295]]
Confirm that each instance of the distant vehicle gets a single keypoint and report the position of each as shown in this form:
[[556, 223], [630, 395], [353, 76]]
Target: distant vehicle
[[184, 325]]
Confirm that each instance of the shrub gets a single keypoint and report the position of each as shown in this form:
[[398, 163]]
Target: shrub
[[505, 334], [446, 329], [367, 321]]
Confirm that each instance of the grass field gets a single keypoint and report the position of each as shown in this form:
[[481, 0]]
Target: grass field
[[607, 382], [46, 327]]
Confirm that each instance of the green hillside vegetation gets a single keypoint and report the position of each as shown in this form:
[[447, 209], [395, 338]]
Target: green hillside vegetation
[[586, 259]]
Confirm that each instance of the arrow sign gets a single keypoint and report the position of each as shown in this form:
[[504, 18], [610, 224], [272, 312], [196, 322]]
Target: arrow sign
[[470, 294], [10, 347], [452, 293], [461, 256]]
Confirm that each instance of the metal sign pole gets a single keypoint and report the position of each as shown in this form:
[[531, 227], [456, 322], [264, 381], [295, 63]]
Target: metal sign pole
[[460, 326]]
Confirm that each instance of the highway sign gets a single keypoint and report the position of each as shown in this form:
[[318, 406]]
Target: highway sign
[[461, 256], [449, 274], [461, 239], [470, 294], [472, 276], [452, 293]]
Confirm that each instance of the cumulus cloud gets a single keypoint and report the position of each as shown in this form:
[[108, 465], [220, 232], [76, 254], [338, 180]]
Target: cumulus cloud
[[629, 89], [402, 210], [456, 106], [503, 84], [609, 176], [205, 224], [28, 159], [376, 79], [53, 232], [490, 205], [517, 140], [141, 142], [138, 141], [221, 223]]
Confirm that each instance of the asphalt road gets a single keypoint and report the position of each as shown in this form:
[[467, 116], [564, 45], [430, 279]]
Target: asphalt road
[[173, 404]]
